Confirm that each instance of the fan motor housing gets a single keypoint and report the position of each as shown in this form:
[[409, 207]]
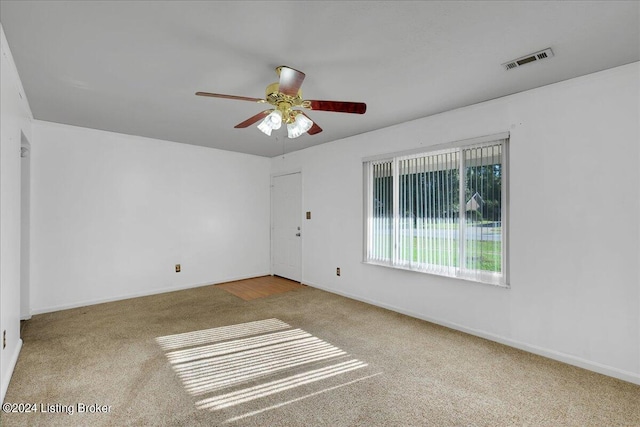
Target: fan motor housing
[[284, 102]]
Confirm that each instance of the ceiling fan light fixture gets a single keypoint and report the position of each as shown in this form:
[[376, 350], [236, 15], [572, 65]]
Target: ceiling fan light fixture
[[284, 95], [271, 122], [264, 128], [301, 125]]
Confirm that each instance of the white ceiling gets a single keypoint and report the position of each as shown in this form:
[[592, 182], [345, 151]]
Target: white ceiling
[[133, 67]]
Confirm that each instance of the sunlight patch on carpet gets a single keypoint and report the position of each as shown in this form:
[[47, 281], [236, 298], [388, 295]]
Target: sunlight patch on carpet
[[237, 364], [297, 399], [251, 393], [220, 334]]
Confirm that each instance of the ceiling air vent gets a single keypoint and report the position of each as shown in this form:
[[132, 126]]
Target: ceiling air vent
[[543, 54]]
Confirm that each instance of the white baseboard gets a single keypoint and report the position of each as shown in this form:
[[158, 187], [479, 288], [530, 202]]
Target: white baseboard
[[12, 365], [155, 291], [551, 354]]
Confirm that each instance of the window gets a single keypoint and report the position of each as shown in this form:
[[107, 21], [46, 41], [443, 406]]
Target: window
[[441, 212]]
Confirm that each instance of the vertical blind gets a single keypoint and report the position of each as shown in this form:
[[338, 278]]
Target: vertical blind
[[380, 218], [439, 212]]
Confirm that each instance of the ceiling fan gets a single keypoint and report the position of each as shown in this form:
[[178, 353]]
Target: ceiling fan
[[284, 95]]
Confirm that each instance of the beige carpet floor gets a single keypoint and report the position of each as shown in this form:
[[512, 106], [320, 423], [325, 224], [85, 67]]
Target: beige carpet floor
[[204, 357]]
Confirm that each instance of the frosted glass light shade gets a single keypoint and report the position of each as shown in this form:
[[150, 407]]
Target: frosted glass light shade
[[301, 125], [271, 122]]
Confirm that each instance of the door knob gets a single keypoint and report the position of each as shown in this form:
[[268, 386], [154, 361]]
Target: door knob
[[298, 234]]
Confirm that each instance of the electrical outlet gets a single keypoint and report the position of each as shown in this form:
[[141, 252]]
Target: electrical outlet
[[4, 339], [338, 271], [309, 215], [177, 268]]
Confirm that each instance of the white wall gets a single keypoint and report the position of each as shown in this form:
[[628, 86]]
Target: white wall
[[112, 214], [15, 121], [574, 222]]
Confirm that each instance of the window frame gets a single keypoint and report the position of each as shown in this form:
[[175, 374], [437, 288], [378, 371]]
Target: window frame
[[479, 276]]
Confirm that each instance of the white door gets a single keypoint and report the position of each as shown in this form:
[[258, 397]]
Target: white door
[[286, 223]]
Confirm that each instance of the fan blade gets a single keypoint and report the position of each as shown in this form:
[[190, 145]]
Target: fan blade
[[315, 128], [290, 80], [339, 106], [252, 120], [219, 95]]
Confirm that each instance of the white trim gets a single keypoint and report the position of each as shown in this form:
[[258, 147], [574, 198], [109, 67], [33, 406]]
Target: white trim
[[25, 226], [541, 351], [461, 148], [506, 213], [156, 291], [432, 149], [288, 172], [485, 280], [12, 365]]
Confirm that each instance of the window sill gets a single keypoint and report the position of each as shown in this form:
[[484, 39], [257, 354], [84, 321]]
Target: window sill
[[488, 279]]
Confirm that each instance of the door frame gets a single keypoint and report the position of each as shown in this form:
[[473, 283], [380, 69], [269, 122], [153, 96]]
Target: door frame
[[25, 227], [272, 216]]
